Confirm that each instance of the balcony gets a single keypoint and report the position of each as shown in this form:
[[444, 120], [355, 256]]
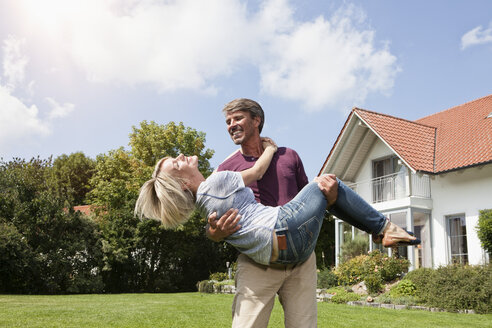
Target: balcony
[[392, 187]]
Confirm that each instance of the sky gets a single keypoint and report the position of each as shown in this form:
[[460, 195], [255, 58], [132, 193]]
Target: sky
[[78, 75]]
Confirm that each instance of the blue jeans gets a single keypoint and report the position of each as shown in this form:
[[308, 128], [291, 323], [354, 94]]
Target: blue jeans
[[300, 219]]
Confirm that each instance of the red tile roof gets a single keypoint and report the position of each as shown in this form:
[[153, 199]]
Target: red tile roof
[[455, 138], [84, 209], [464, 134], [413, 142]]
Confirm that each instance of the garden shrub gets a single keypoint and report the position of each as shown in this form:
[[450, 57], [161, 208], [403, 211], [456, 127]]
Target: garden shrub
[[327, 279], [342, 296], [355, 247], [403, 288], [373, 283], [218, 276], [455, 287], [213, 286], [420, 277], [387, 298], [225, 282], [361, 267], [352, 271], [484, 229], [206, 286], [390, 268]]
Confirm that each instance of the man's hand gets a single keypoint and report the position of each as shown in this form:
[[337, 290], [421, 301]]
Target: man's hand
[[328, 184], [219, 229]]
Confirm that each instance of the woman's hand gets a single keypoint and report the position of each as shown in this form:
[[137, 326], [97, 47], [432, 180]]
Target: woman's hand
[[267, 142], [261, 165]]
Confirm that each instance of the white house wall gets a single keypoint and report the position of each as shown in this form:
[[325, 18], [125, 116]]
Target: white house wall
[[460, 192]]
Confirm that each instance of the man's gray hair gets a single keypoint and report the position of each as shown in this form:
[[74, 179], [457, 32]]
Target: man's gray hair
[[246, 105]]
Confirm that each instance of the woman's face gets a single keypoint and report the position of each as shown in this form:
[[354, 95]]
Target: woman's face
[[181, 166]]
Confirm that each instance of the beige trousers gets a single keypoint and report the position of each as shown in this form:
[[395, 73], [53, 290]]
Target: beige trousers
[[257, 285]]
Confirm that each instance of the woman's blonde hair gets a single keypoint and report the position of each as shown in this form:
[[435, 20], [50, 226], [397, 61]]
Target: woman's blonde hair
[[162, 198]]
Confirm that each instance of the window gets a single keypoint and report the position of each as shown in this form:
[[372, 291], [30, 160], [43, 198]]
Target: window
[[457, 239], [386, 182], [400, 219], [421, 228], [345, 232]]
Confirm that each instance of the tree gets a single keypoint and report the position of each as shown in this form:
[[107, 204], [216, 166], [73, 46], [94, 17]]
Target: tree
[[46, 247], [141, 255], [60, 246], [115, 186], [17, 261], [325, 247], [354, 247], [485, 229], [151, 142], [72, 174]]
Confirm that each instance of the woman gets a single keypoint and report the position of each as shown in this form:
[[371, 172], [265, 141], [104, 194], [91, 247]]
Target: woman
[[284, 234]]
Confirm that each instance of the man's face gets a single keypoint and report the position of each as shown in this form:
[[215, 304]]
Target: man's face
[[241, 126]]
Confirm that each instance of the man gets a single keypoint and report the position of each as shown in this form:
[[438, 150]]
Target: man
[[256, 284]]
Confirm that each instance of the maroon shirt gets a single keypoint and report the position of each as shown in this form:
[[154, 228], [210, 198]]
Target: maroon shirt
[[282, 181]]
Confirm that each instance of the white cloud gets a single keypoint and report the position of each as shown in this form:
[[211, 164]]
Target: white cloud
[[328, 62], [476, 36], [174, 45], [14, 61], [18, 121], [191, 44], [59, 110]]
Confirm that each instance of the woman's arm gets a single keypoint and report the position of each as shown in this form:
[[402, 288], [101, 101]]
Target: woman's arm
[[256, 172]]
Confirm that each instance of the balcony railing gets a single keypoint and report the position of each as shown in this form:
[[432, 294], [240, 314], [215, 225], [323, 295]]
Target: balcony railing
[[393, 186]]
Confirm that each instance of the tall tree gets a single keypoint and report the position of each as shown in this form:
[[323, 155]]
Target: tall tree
[[72, 174], [17, 261], [61, 247], [484, 229], [141, 255], [150, 142]]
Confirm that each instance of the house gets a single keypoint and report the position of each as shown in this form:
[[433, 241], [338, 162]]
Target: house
[[431, 176], [84, 209]]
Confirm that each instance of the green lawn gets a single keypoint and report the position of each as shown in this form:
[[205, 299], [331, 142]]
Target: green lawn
[[198, 310]]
